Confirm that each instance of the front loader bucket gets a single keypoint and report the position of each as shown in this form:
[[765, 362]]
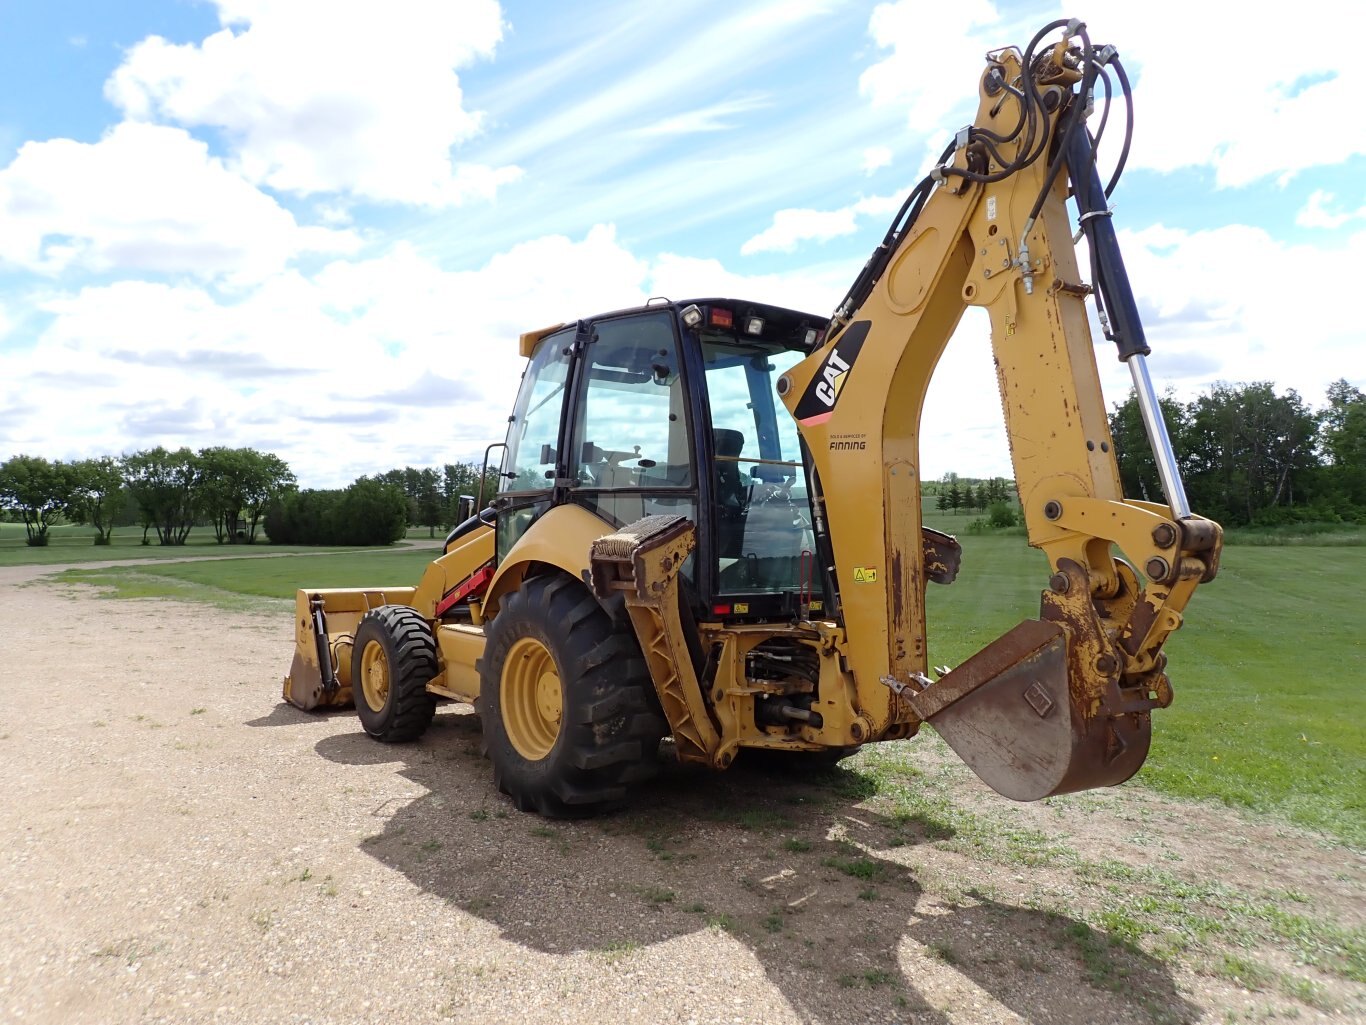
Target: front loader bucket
[[325, 622], [1009, 713]]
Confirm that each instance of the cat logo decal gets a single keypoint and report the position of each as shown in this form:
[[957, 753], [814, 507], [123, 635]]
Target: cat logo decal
[[823, 393]]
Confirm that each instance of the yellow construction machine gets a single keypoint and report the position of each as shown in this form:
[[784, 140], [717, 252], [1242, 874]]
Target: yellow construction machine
[[671, 554]]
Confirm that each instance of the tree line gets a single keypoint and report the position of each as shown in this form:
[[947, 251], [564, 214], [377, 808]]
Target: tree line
[[1251, 456], [433, 493], [379, 509], [237, 492], [953, 492], [165, 491]]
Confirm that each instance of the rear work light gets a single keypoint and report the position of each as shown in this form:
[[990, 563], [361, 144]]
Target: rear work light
[[754, 325], [719, 317]]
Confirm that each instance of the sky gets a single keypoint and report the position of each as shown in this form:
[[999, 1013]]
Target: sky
[[317, 227]]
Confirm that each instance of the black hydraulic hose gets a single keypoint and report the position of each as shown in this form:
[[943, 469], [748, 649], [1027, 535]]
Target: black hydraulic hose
[[911, 208], [877, 261], [1112, 280], [1128, 124], [1073, 126], [1030, 150], [1104, 114], [1030, 99], [987, 134], [1036, 139], [1027, 153]]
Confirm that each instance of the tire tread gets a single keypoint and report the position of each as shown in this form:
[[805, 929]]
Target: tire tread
[[611, 726], [413, 663]]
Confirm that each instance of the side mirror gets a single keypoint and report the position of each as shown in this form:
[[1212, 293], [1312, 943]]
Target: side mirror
[[464, 508]]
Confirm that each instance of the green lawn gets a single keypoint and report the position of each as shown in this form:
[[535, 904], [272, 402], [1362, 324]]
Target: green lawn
[[1268, 671], [70, 543], [221, 579]]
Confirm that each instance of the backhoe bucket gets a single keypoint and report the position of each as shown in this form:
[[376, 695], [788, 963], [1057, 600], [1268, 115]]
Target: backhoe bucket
[[1009, 713]]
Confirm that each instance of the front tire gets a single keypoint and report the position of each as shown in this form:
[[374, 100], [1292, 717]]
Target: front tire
[[568, 710], [392, 660]]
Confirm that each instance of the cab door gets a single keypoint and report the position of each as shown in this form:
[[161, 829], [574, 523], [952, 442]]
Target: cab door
[[535, 460], [632, 435]]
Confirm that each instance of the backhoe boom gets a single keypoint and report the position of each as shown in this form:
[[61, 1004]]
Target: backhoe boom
[[1061, 703]]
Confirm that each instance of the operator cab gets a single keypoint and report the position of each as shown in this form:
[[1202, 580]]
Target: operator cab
[[671, 408]]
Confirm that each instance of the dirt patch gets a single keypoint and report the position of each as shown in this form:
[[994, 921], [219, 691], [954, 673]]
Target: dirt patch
[[178, 846]]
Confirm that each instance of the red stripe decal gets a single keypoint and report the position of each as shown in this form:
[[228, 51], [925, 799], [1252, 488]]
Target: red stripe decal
[[472, 584]]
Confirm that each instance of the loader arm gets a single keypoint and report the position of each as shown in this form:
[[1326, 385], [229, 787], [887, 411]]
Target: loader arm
[[1063, 702]]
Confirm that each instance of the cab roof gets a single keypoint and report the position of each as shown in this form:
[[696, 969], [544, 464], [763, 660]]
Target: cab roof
[[794, 320]]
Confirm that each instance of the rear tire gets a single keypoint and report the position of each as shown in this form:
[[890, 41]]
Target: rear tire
[[393, 659], [569, 714]]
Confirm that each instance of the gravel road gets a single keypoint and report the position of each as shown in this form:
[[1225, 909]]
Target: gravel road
[[178, 846]]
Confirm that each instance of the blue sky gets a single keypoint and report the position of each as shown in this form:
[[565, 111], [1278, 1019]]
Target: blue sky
[[316, 230]]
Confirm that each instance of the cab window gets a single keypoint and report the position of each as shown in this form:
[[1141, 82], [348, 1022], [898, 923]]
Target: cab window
[[535, 429], [762, 518], [633, 425]]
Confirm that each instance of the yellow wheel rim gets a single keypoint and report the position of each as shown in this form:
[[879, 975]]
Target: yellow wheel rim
[[532, 698], [374, 676]]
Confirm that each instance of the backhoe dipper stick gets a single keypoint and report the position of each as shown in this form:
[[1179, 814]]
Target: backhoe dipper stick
[[1125, 327]]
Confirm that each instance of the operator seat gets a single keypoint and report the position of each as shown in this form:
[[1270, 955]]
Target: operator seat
[[731, 493]]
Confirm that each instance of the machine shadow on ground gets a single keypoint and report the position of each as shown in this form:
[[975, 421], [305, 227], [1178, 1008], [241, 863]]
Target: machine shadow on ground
[[795, 869]]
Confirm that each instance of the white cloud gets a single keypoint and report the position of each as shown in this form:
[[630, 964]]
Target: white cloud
[[394, 360], [707, 53], [936, 54], [1287, 110], [144, 198], [362, 366], [814, 289], [792, 227], [714, 118], [1198, 304], [875, 158], [1315, 212], [325, 96]]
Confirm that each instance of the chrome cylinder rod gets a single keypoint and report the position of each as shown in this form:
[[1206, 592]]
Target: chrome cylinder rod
[[1158, 438]]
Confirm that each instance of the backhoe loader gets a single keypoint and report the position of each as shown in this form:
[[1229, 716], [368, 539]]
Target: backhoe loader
[[708, 522]]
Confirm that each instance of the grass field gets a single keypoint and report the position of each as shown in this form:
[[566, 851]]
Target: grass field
[[238, 583], [1268, 671], [70, 543]]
